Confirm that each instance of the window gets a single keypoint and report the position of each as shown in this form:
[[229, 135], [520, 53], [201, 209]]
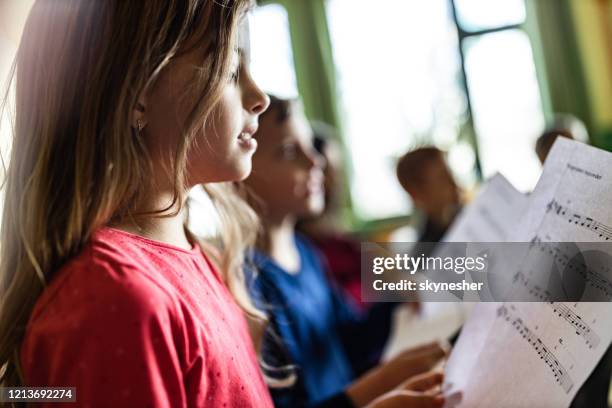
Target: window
[[414, 72], [505, 100], [505, 104], [271, 57], [476, 15], [398, 70]]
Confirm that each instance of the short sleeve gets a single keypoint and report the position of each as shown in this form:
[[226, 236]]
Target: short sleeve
[[113, 339]]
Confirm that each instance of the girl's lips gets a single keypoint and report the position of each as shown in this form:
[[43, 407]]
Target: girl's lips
[[245, 136], [246, 141]]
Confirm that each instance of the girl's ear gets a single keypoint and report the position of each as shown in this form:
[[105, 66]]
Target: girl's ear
[[139, 113]]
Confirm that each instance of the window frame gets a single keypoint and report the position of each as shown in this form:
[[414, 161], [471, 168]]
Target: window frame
[[462, 35]]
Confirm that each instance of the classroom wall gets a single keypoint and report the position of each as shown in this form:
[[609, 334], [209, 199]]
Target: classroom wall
[[593, 24], [572, 44]]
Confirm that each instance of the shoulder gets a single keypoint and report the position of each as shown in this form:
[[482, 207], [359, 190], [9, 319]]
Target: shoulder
[[304, 243], [101, 281], [101, 312], [98, 305], [309, 252]]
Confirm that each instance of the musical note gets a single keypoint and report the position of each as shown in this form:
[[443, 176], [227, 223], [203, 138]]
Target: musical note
[[559, 372], [603, 231], [534, 290], [581, 328], [593, 278]]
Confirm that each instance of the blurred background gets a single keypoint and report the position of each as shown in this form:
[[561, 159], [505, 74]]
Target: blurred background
[[480, 79], [476, 78]]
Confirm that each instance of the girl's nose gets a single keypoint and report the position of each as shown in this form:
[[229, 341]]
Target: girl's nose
[[261, 103], [256, 100]]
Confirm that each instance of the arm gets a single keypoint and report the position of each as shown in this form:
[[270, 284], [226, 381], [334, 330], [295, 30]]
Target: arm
[[364, 333]]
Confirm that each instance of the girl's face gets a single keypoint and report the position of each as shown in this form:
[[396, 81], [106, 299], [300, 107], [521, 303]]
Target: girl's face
[[223, 148], [287, 171]]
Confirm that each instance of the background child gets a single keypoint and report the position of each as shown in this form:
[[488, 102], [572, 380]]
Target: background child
[[340, 251], [424, 174], [562, 125], [121, 107], [315, 327]]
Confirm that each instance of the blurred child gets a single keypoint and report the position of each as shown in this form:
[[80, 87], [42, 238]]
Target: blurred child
[[121, 107], [340, 251], [315, 329], [325, 143], [425, 176], [564, 125]]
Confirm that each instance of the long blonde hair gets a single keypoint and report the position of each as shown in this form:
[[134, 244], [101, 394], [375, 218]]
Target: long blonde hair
[[76, 163]]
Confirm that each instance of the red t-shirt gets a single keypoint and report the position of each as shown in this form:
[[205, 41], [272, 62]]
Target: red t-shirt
[[132, 322]]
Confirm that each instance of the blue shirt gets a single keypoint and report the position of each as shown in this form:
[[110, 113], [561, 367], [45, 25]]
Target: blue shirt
[[315, 328]]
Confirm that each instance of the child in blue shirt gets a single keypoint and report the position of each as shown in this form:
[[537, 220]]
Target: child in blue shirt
[[308, 311], [313, 327]]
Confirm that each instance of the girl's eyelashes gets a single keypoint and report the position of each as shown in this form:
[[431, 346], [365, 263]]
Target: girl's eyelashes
[[236, 67], [235, 75]]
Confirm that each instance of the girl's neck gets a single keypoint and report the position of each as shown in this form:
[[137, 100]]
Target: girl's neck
[[279, 244], [167, 227]]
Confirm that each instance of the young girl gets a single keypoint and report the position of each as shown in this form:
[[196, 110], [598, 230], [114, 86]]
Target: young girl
[[314, 329], [121, 107]]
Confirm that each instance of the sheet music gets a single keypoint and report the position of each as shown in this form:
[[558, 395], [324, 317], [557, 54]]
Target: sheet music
[[488, 218], [491, 216], [540, 354]]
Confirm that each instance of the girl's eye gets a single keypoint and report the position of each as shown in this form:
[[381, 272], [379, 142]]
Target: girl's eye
[[234, 77]]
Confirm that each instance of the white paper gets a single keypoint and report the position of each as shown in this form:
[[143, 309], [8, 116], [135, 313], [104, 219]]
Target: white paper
[[492, 216], [435, 321], [536, 354]]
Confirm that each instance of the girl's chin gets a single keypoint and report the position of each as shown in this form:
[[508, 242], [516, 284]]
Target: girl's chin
[[243, 171], [242, 165], [238, 170]]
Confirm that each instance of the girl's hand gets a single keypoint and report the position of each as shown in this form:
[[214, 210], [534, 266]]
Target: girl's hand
[[427, 382], [388, 376], [423, 390], [420, 359], [407, 399]]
